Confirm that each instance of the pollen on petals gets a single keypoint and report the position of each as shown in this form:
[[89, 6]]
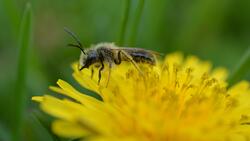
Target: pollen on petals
[[177, 99]]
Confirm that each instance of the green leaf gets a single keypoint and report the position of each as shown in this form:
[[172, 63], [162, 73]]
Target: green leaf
[[241, 69], [20, 93]]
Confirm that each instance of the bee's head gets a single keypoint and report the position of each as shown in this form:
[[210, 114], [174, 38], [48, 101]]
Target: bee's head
[[82, 61], [83, 56], [88, 58]]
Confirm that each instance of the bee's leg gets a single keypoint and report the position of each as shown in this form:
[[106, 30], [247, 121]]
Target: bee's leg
[[118, 60], [95, 66], [132, 61], [109, 72], [100, 72], [92, 72]]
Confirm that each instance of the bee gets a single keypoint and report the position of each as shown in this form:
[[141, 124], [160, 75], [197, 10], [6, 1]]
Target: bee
[[110, 54]]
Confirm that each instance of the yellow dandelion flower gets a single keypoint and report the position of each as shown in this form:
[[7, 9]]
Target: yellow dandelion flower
[[179, 99]]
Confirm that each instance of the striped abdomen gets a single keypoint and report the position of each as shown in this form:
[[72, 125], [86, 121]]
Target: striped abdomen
[[141, 56]]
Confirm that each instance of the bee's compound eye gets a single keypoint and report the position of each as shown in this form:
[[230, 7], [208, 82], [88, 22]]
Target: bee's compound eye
[[82, 58]]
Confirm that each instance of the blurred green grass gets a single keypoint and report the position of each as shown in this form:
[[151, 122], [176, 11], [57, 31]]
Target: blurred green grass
[[19, 95], [218, 31]]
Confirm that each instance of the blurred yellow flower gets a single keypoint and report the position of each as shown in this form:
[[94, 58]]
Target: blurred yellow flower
[[179, 99]]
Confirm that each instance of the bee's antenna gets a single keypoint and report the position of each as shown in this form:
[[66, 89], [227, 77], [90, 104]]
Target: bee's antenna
[[76, 38]]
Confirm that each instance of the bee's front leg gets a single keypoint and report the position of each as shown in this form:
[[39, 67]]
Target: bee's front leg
[[95, 66], [100, 71], [109, 72], [92, 73]]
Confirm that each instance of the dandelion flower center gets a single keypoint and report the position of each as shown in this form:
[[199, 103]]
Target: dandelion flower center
[[179, 99]]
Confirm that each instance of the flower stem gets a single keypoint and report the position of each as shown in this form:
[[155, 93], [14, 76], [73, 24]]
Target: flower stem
[[136, 22], [20, 93], [124, 23], [241, 69]]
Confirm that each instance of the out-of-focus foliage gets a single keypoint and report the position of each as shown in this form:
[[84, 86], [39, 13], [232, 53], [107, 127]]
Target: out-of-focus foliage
[[214, 30]]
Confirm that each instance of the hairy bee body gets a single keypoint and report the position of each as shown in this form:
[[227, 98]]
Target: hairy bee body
[[109, 53]]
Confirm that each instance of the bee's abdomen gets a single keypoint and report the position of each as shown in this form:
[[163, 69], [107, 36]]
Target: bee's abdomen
[[139, 57]]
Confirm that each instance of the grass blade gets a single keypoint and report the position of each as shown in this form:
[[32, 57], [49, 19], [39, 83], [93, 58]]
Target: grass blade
[[241, 69], [20, 93], [45, 123], [124, 23], [136, 21]]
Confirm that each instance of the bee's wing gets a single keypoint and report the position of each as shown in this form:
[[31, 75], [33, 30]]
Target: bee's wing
[[130, 50], [155, 53]]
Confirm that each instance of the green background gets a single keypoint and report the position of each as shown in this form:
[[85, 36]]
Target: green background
[[33, 52]]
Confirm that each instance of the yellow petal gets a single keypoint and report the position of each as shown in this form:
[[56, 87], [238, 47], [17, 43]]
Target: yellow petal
[[68, 90], [37, 98], [56, 107], [220, 73], [86, 81], [68, 129]]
